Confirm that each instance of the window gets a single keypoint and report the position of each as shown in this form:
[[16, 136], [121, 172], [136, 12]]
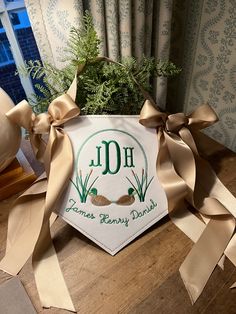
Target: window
[[5, 53], [14, 20], [17, 44]]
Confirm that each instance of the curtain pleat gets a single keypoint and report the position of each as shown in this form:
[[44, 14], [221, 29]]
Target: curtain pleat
[[148, 27], [125, 28], [162, 33], [97, 11], [138, 28], [112, 29]]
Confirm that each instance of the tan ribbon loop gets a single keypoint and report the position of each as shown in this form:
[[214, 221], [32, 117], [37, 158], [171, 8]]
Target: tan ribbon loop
[[61, 113], [30, 218], [187, 178], [24, 120], [212, 207], [150, 117], [202, 117]]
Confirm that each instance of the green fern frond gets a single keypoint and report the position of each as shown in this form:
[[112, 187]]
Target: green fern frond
[[83, 45], [99, 101], [102, 88], [166, 69]]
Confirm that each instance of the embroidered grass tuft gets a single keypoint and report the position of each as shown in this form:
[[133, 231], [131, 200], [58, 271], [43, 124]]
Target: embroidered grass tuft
[[82, 185], [140, 185]]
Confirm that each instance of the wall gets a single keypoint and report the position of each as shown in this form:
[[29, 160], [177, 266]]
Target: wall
[[203, 43]]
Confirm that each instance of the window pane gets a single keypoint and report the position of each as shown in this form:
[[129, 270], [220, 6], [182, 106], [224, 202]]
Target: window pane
[[19, 19], [8, 1], [14, 18], [5, 52], [25, 36], [8, 80], [8, 51], [26, 39], [23, 32], [3, 57]]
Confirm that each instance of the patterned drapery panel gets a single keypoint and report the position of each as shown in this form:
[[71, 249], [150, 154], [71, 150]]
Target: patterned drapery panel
[[204, 45], [198, 35], [127, 28]]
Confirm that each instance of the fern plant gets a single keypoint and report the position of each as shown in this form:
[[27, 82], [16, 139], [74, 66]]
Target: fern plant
[[103, 87]]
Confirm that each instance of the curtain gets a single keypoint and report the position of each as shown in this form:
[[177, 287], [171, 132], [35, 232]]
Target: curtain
[[204, 44], [198, 35]]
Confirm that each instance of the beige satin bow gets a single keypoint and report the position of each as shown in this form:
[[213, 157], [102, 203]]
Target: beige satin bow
[[29, 219], [188, 179]]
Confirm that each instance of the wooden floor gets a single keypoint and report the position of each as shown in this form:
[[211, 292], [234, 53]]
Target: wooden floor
[[143, 277]]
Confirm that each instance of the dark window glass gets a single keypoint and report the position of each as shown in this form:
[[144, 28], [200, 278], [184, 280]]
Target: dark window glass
[[2, 53], [8, 80], [6, 1], [14, 18], [5, 52]]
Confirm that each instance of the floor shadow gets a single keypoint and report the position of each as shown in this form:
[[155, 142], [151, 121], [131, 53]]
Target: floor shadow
[[216, 159], [67, 233]]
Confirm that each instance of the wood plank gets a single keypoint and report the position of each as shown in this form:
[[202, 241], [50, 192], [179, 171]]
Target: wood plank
[[21, 175], [172, 297], [10, 172]]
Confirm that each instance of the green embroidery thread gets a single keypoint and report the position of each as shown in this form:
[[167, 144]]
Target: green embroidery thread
[[79, 211], [139, 214], [107, 157], [129, 157], [112, 130], [81, 185], [105, 219], [140, 185], [92, 164]]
